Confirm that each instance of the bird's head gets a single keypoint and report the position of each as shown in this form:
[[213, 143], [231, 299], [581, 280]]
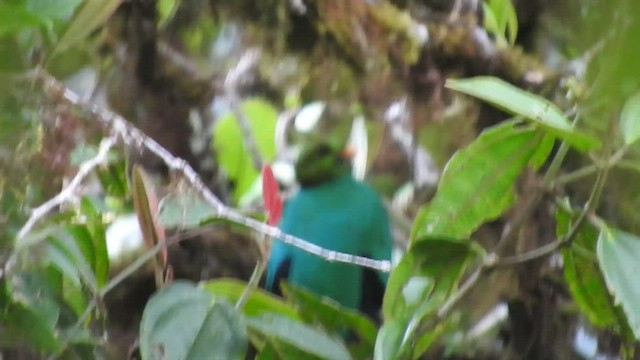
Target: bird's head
[[321, 161]]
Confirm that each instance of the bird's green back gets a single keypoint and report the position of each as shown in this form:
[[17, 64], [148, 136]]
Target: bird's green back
[[341, 215]]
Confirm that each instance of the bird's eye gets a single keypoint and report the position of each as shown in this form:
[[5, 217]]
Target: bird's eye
[[323, 150]]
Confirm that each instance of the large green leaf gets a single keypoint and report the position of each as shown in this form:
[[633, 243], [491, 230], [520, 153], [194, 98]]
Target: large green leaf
[[477, 183], [618, 254], [331, 315], [582, 274], [430, 268], [228, 143], [21, 325], [300, 335], [532, 107], [630, 119], [185, 322], [258, 302]]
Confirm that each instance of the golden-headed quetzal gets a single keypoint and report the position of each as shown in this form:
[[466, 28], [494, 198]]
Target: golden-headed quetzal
[[336, 212]]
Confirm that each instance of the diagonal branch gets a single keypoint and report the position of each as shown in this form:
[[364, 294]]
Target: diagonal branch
[[135, 139]]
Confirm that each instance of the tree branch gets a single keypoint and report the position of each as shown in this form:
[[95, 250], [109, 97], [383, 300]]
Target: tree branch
[[133, 138]]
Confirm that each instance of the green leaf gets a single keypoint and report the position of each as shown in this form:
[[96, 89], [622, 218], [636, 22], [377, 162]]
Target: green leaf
[[618, 254], [38, 291], [330, 314], [519, 102], [630, 119], [228, 143], [477, 183], [582, 274], [22, 325], [541, 155], [166, 10], [302, 336], [433, 267], [389, 340], [91, 15], [51, 10], [14, 18], [511, 18], [185, 322], [490, 21], [97, 234], [258, 303], [69, 255]]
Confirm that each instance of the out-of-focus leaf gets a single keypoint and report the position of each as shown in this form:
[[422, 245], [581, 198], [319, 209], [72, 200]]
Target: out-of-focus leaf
[[330, 314], [166, 10], [618, 254], [146, 206], [258, 302], [389, 340], [185, 322], [51, 10], [581, 273], [432, 266], [90, 16], [630, 119], [532, 107], [477, 183], [228, 143], [300, 335], [97, 233], [68, 252], [541, 155], [22, 325], [14, 17], [39, 291]]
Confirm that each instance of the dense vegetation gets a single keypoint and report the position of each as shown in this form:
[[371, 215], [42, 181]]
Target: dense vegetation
[[503, 136]]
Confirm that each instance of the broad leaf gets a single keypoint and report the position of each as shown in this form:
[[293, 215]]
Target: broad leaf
[[477, 183], [22, 325], [184, 322], [618, 254], [431, 268], [630, 120], [258, 303], [302, 336], [330, 314], [519, 102], [582, 274]]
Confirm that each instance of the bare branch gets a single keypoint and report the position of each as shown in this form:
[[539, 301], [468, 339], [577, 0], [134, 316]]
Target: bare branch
[[69, 191], [136, 139]]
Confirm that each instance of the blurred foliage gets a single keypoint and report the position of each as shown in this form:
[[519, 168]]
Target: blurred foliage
[[581, 144]]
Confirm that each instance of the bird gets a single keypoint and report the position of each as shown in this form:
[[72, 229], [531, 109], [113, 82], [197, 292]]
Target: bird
[[336, 212]]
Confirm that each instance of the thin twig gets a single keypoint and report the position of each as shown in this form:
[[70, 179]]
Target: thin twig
[[69, 191]]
